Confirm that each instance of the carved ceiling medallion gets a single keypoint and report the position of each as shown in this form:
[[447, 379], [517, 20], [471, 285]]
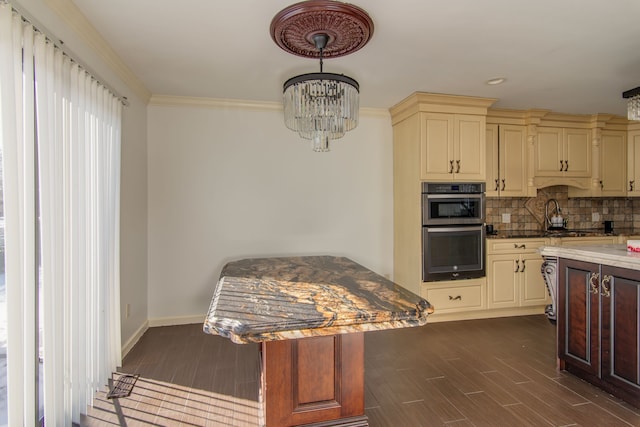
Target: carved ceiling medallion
[[348, 28]]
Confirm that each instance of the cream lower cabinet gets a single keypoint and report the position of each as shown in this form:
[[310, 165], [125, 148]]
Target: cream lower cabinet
[[589, 240], [455, 295], [456, 299], [513, 273]]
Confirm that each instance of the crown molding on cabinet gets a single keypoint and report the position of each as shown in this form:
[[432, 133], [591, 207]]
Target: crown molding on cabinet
[[439, 103]]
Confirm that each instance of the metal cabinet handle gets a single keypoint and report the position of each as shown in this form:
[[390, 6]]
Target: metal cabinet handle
[[631, 184], [456, 298], [517, 266], [503, 184], [561, 165], [497, 184], [457, 166], [523, 266], [593, 281], [566, 165], [517, 246], [601, 185], [606, 285], [450, 166]]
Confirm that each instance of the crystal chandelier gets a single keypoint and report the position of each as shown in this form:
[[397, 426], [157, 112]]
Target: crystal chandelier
[[321, 106], [633, 103]]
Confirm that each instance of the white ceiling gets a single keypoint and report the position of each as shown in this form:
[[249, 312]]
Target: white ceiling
[[572, 56]]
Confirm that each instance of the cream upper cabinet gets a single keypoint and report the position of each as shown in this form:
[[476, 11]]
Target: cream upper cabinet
[[613, 168], [453, 147], [506, 161], [562, 152], [633, 164], [492, 161]]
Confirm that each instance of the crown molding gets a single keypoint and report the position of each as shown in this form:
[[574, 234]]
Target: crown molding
[[76, 20], [216, 103], [220, 103]]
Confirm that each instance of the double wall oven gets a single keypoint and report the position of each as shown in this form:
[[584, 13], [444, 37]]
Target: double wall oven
[[453, 233]]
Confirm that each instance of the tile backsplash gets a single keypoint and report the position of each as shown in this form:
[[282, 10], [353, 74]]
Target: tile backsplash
[[527, 214]]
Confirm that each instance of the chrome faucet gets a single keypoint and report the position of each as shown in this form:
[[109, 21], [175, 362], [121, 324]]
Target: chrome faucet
[[546, 210]]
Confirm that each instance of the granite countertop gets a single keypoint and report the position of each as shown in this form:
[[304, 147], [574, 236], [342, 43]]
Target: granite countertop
[[265, 299], [571, 232], [614, 255]]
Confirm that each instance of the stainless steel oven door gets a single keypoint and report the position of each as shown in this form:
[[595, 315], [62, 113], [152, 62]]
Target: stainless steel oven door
[[444, 209], [452, 253]]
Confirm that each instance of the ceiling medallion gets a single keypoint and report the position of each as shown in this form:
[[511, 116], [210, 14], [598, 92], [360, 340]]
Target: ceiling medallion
[[348, 27], [321, 106]]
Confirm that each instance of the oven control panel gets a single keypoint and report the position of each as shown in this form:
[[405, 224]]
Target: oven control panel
[[453, 188]]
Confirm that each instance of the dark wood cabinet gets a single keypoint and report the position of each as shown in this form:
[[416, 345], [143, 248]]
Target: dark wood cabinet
[[315, 381], [599, 326]]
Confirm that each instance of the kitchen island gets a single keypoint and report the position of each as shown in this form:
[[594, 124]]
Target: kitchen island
[[598, 314], [309, 314]]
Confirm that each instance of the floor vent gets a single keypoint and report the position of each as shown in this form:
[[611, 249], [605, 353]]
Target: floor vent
[[122, 386]]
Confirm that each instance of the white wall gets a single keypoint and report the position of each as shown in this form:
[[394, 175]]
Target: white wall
[[228, 183], [133, 221], [67, 24]]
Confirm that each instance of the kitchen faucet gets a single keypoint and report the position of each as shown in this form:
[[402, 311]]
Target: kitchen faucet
[[546, 211]]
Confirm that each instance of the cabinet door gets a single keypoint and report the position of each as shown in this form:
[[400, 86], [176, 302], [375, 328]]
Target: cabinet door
[[493, 177], [469, 148], [513, 165], [578, 309], [577, 149], [633, 164], [620, 293], [533, 291], [503, 280], [437, 161], [613, 172], [549, 152]]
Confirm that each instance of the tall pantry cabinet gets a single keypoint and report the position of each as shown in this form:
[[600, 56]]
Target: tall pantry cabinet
[[436, 138]]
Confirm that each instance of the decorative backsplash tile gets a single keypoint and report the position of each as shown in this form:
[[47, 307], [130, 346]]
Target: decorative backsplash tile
[[528, 213]]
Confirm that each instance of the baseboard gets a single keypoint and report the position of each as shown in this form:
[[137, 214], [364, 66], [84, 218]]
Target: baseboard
[[172, 321], [484, 314], [126, 348]]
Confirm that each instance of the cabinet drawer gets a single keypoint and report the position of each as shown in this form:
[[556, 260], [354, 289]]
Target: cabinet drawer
[[595, 240], [452, 298], [498, 246]]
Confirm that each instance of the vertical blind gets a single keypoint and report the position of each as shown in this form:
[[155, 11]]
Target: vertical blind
[[60, 131]]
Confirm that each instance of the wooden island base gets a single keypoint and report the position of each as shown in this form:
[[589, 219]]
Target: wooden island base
[[309, 314], [317, 381]]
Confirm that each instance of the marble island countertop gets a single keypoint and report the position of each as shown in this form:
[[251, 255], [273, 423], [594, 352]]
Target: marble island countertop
[[265, 299], [615, 255]]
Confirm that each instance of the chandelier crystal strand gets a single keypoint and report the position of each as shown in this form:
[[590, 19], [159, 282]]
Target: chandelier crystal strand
[[633, 108], [321, 107]]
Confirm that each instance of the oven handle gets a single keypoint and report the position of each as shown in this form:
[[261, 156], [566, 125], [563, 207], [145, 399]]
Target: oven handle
[[460, 196], [461, 227]]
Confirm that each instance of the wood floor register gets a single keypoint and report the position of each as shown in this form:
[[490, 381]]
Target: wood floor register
[[309, 314]]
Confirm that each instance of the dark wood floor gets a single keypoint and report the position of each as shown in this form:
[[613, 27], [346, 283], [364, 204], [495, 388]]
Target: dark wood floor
[[494, 372]]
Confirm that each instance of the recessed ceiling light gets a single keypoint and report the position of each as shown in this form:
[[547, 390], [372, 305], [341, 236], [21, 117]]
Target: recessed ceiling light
[[496, 81]]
